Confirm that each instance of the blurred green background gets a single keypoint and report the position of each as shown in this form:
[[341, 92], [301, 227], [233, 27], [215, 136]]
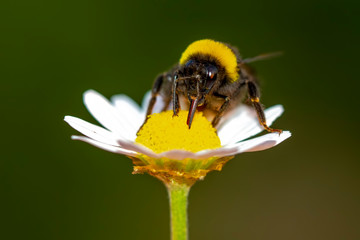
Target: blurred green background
[[55, 188]]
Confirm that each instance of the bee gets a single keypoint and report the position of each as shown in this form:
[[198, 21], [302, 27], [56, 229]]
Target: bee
[[210, 77]]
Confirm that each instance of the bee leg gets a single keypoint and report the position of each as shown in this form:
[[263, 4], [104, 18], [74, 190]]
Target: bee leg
[[175, 98], [154, 93], [254, 98], [221, 111]]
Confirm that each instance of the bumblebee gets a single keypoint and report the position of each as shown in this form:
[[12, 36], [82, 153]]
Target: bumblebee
[[210, 77]]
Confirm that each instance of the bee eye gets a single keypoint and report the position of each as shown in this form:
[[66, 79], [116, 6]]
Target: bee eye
[[211, 72]]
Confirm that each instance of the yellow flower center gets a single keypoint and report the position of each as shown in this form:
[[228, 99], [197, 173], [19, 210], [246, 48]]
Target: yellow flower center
[[163, 132]]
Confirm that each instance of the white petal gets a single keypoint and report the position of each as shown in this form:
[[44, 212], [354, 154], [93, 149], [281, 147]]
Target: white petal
[[220, 152], [260, 143], [137, 148], [129, 110], [106, 147], [256, 144], [173, 154], [178, 154], [242, 116], [92, 131], [108, 115], [246, 124]]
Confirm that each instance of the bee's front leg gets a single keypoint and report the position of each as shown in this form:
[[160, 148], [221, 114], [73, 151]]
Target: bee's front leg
[[158, 83], [176, 106], [154, 93]]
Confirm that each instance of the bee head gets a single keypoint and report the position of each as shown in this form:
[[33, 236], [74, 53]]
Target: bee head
[[199, 78]]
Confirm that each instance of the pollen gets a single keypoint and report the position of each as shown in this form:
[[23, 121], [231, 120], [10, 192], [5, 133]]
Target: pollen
[[164, 132]]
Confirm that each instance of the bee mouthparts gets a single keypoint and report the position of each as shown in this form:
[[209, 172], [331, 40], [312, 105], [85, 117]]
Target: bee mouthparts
[[192, 109]]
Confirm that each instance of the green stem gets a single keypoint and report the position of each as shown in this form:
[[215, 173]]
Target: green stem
[[178, 195]]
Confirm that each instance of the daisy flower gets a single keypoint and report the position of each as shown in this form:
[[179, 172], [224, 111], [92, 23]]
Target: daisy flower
[[168, 153], [166, 148]]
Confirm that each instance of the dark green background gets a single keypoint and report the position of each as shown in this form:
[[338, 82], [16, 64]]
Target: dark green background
[[54, 188]]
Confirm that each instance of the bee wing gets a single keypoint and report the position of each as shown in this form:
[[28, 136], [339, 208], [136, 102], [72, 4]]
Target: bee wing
[[262, 57]]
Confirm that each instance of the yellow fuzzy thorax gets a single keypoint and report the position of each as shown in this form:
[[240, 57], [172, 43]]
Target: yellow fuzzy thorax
[[218, 50]]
